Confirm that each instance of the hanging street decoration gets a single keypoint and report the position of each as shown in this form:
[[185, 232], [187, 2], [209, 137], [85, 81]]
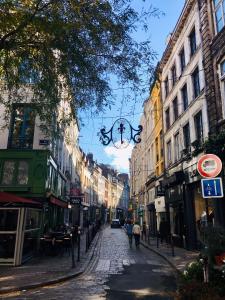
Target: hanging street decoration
[[121, 134]]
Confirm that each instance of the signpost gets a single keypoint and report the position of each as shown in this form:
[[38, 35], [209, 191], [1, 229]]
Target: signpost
[[209, 166], [212, 188]]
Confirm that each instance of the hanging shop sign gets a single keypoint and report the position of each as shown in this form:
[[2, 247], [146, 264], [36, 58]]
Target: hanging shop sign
[[212, 188], [209, 165]]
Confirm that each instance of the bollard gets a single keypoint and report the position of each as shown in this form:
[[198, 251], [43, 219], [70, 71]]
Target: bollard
[[157, 240], [172, 245], [72, 250], [78, 245], [205, 264]]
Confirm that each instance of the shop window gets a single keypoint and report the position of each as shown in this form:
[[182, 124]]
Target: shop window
[[196, 83], [32, 219], [219, 14], [15, 172], [22, 128], [8, 219], [192, 41], [8, 172]]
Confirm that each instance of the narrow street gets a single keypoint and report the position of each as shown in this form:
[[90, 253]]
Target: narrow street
[[115, 272]]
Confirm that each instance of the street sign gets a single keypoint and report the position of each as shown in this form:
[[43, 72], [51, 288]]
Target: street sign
[[209, 165], [212, 188]]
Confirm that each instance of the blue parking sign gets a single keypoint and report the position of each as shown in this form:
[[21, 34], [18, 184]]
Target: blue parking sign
[[212, 188]]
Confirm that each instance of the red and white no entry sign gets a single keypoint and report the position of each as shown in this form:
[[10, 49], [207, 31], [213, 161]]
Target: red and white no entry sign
[[209, 165]]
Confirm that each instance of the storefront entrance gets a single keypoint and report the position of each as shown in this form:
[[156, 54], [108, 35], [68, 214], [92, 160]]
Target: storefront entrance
[[19, 234]]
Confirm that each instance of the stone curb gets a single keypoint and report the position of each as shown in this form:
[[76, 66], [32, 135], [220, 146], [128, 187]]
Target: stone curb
[[59, 279], [179, 272]]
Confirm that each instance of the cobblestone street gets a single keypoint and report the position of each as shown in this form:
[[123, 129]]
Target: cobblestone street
[[115, 272]]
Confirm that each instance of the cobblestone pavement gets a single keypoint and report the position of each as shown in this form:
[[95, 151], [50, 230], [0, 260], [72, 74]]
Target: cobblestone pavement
[[115, 272]]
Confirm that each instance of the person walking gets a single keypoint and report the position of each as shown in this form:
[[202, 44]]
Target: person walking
[[144, 231], [129, 230], [164, 230], [137, 233]]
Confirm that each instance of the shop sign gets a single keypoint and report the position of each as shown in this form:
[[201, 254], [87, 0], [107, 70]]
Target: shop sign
[[209, 165], [212, 188], [75, 200], [43, 142]]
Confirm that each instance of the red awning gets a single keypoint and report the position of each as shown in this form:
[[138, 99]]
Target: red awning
[[58, 202], [7, 197]]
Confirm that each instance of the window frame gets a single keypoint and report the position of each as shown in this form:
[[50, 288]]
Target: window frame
[[199, 137], [166, 86], [186, 145], [192, 41], [220, 5], [22, 136], [169, 152], [182, 60], [196, 88], [174, 74], [182, 95], [175, 109], [176, 146], [167, 117]]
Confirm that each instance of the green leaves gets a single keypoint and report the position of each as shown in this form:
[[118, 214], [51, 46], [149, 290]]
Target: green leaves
[[72, 46]]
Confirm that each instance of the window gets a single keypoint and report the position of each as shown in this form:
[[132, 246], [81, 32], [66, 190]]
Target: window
[[166, 85], [219, 13], [175, 109], [27, 72], [15, 172], [174, 75], [169, 158], [186, 134], [184, 96], [182, 60], [161, 143], [177, 147], [22, 128], [195, 82], [222, 69], [157, 149], [222, 84], [192, 40], [168, 118], [198, 126]]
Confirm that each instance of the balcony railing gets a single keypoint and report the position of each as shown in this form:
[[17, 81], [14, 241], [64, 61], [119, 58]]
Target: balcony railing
[[20, 143]]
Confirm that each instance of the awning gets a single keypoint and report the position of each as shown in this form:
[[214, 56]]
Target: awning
[[58, 202], [7, 197]]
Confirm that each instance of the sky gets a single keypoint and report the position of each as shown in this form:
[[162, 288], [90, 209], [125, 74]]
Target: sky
[[159, 29]]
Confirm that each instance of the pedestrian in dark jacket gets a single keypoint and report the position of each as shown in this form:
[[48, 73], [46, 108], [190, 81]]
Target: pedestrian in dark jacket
[[129, 230], [163, 230]]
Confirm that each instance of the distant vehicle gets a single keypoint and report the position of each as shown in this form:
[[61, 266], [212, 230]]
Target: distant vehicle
[[115, 223]]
